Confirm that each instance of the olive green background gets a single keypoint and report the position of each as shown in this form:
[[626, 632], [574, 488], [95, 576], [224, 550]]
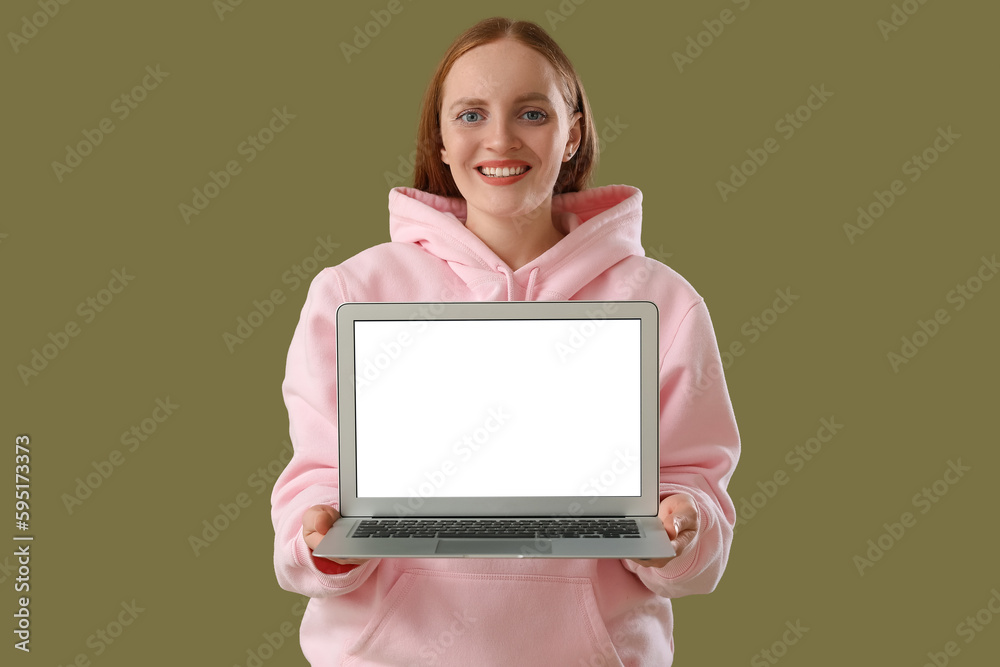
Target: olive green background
[[327, 175]]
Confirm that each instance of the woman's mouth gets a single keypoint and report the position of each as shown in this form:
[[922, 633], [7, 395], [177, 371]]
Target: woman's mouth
[[507, 175], [502, 172]]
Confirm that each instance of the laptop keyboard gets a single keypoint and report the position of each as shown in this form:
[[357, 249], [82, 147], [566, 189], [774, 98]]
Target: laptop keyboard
[[499, 528]]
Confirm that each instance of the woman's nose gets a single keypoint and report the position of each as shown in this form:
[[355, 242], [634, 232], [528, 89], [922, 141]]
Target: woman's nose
[[502, 135]]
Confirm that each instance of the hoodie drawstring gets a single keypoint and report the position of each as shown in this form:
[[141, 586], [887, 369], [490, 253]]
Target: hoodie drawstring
[[510, 282], [531, 284]]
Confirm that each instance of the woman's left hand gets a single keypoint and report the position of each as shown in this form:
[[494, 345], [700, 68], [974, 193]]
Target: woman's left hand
[[679, 515]]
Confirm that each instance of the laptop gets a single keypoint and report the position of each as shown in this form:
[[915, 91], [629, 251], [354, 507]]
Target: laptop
[[524, 429]]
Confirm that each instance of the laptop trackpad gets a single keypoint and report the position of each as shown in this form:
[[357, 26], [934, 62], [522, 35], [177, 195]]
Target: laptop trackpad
[[494, 546]]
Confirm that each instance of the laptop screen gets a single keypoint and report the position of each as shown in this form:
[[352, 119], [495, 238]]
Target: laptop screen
[[497, 408]]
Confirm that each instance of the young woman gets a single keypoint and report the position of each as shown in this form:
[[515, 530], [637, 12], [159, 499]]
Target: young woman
[[499, 212]]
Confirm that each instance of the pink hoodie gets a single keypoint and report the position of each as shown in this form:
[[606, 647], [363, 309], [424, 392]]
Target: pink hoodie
[[474, 612]]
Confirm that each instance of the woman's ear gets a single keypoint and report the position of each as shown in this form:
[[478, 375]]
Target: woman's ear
[[444, 156], [575, 132]]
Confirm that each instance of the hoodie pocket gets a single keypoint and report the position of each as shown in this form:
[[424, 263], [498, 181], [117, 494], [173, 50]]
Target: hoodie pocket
[[445, 618]]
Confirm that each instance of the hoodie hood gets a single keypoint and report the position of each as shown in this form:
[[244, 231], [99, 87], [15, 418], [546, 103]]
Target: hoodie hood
[[606, 222]]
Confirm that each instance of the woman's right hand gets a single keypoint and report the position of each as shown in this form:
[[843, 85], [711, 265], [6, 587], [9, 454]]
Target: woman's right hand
[[317, 520]]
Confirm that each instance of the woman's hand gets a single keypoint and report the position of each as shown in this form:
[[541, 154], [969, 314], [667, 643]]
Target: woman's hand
[[679, 515], [316, 521]]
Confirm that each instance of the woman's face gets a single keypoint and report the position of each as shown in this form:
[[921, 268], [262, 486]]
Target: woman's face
[[502, 107]]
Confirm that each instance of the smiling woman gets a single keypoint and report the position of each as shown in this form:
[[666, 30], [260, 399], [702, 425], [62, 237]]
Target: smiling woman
[[505, 139], [502, 209]]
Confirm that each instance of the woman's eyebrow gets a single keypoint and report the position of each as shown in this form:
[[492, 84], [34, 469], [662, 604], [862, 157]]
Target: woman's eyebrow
[[475, 101]]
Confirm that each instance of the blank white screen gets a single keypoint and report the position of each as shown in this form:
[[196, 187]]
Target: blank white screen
[[471, 408]]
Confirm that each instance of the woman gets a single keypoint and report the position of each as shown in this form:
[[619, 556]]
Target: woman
[[498, 212]]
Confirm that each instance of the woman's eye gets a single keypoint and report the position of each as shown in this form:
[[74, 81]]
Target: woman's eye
[[536, 115], [466, 116]]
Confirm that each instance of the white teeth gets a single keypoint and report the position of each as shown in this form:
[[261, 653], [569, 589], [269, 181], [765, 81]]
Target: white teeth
[[496, 172]]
